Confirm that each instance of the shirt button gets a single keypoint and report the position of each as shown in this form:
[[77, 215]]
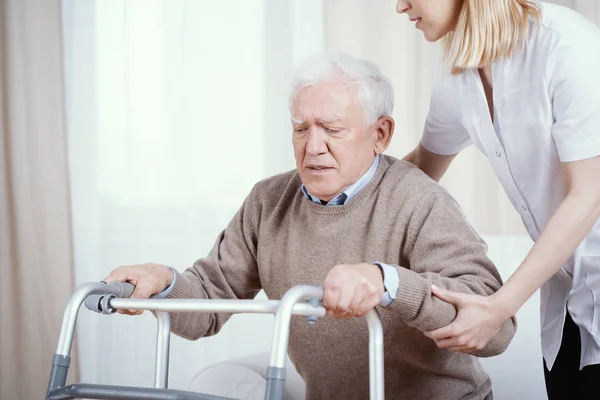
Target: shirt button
[[524, 208], [498, 154]]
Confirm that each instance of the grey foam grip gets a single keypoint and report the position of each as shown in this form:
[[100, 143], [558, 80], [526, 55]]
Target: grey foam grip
[[125, 289]]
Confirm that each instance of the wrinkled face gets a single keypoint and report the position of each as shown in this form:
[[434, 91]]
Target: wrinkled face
[[332, 144], [434, 17]]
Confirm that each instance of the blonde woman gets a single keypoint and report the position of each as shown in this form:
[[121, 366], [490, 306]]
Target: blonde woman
[[522, 83]]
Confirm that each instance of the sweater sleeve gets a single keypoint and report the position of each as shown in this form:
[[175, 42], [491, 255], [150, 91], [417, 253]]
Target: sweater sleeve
[[229, 271], [444, 250]]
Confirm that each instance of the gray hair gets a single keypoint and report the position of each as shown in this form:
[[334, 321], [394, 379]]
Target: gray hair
[[375, 93]]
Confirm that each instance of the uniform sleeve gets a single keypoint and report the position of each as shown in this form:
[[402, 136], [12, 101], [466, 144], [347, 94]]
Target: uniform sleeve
[[444, 134], [573, 75]]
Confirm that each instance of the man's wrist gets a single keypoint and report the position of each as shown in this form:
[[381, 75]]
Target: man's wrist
[[391, 283], [381, 274], [169, 277]]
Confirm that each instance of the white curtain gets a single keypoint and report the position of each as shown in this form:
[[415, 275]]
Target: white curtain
[[175, 109]]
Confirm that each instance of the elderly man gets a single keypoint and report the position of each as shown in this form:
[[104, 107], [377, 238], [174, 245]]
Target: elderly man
[[373, 230]]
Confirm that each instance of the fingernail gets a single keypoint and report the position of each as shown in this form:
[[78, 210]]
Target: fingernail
[[434, 287]]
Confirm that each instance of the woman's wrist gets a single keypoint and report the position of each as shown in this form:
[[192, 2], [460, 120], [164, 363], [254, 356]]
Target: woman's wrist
[[504, 305]]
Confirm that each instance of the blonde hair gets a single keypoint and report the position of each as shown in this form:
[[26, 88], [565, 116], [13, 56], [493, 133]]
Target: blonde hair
[[488, 30]]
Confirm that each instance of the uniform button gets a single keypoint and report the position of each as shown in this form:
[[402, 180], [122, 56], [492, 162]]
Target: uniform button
[[524, 208], [498, 154]]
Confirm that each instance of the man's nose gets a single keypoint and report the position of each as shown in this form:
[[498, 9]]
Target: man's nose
[[402, 6], [316, 144]]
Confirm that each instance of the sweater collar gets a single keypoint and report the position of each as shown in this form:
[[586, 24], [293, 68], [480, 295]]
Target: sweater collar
[[350, 191]]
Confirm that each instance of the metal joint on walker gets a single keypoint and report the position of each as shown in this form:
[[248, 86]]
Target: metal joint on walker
[[100, 303], [313, 318]]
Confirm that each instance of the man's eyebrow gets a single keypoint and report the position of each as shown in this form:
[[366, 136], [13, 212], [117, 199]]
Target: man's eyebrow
[[331, 120]]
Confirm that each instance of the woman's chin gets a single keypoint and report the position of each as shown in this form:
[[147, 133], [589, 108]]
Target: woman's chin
[[431, 36]]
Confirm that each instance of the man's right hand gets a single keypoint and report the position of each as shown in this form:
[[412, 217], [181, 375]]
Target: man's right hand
[[148, 279]]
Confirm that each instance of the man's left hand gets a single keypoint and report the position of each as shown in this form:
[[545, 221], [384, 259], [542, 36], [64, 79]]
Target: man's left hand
[[352, 290]]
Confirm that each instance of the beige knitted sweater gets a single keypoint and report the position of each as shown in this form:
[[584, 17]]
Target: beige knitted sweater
[[279, 239]]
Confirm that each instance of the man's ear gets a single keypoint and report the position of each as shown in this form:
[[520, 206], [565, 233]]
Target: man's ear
[[384, 128]]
